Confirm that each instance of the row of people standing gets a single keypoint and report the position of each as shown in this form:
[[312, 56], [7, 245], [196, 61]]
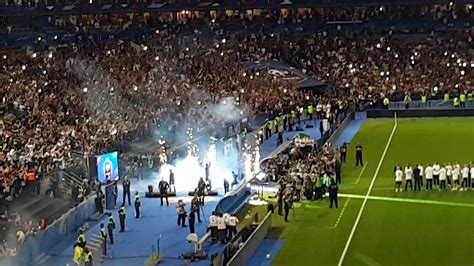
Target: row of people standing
[[440, 176]]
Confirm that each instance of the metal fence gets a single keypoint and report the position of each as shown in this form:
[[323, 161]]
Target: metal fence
[[432, 105]]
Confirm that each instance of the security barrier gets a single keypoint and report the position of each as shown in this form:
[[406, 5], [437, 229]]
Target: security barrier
[[243, 255], [66, 226]]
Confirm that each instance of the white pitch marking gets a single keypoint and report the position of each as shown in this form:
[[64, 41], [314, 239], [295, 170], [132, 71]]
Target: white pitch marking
[[361, 172], [359, 215]]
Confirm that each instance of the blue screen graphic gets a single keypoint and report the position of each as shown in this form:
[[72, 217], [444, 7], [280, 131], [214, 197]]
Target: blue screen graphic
[[107, 167]]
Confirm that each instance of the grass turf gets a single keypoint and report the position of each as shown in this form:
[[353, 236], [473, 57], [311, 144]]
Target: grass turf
[[389, 233]]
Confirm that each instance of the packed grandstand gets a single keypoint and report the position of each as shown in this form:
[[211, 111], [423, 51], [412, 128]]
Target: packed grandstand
[[76, 84]]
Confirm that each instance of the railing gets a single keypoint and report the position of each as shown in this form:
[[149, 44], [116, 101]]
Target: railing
[[243, 255], [432, 104]]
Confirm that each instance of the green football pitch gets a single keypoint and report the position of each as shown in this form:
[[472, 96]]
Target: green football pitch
[[374, 225]]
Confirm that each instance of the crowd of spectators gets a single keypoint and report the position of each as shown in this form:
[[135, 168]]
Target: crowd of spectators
[[90, 97]]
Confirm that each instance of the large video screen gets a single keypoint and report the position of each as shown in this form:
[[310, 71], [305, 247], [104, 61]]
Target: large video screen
[[107, 167]]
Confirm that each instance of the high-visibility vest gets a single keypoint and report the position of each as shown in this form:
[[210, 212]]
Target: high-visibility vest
[[310, 109], [386, 101], [293, 114], [111, 220], [407, 99], [78, 254], [103, 232], [88, 257], [456, 101], [446, 97], [469, 96], [122, 211], [81, 238], [423, 98], [462, 97]]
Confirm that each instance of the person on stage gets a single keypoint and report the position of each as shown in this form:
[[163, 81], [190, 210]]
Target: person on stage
[[164, 188]]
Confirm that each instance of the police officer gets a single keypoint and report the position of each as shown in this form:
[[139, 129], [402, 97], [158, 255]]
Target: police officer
[[87, 257], [122, 216], [111, 227], [137, 205], [343, 151], [333, 188], [359, 155], [81, 239], [78, 252], [126, 191], [164, 187], [103, 234]]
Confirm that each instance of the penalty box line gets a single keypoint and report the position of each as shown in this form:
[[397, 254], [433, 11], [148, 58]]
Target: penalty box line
[[359, 215], [419, 201]]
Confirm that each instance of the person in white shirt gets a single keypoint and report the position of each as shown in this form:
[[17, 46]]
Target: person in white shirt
[[422, 172], [213, 226], [408, 177], [436, 168], [456, 172], [221, 228], [449, 173], [442, 177], [232, 222], [398, 179], [429, 177], [472, 175], [465, 177]]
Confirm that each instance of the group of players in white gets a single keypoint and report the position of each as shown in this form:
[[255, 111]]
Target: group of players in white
[[457, 177]]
